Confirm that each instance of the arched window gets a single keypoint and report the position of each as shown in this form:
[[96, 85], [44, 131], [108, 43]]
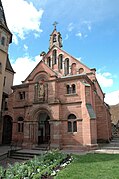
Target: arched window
[[54, 56], [73, 88], [71, 116], [54, 38], [21, 95], [60, 61], [0, 67], [74, 126], [66, 66], [72, 123], [20, 124], [3, 41], [69, 126], [81, 70], [68, 89], [73, 68], [49, 61]]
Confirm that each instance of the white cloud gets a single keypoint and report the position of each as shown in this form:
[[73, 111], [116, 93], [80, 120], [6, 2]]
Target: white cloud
[[88, 24], [107, 74], [84, 28], [15, 39], [27, 64], [79, 58], [85, 35], [89, 27], [79, 34], [22, 17], [70, 27], [104, 79], [25, 47], [112, 98], [66, 37], [36, 35]]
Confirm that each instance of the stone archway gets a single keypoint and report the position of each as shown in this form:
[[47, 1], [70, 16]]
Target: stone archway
[[7, 130], [43, 128]]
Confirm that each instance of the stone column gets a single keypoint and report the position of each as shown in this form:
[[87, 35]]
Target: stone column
[[70, 70], [29, 135], [55, 135], [51, 62], [63, 67]]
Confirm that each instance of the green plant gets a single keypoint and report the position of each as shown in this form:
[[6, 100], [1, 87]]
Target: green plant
[[2, 171], [43, 165]]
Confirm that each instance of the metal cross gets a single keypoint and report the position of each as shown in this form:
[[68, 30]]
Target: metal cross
[[54, 24]]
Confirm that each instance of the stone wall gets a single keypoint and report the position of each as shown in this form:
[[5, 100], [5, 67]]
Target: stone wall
[[114, 110]]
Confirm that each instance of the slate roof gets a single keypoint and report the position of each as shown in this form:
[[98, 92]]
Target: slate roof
[[91, 111], [9, 66], [3, 22]]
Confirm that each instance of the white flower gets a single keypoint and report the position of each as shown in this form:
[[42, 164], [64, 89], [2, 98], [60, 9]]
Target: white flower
[[57, 170], [38, 170], [53, 173], [64, 164]]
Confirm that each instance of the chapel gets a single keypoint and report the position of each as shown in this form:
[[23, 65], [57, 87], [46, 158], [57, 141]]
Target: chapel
[[60, 104]]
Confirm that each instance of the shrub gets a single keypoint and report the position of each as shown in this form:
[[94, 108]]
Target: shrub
[[36, 168]]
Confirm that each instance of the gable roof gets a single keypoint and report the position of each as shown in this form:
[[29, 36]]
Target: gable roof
[[44, 67], [67, 55]]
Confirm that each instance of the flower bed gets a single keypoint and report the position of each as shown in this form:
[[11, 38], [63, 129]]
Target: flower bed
[[44, 166]]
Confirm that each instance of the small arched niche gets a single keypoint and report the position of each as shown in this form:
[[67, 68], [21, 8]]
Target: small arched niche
[[81, 70]]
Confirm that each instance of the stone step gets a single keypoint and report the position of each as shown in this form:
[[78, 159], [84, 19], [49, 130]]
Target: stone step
[[114, 141], [115, 137], [23, 155], [42, 147], [107, 151], [110, 148], [112, 145], [3, 156], [20, 157]]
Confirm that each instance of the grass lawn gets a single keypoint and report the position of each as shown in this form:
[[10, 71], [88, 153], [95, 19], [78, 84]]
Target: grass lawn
[[92, 166]]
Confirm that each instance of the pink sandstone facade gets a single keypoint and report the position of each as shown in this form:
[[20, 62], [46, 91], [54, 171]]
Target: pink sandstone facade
[[60, 103]]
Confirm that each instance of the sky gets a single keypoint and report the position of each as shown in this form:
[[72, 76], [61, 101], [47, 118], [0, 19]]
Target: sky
[[89, 29]]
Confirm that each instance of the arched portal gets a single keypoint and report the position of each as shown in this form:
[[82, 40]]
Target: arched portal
[[43, 128], [7, 130]]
